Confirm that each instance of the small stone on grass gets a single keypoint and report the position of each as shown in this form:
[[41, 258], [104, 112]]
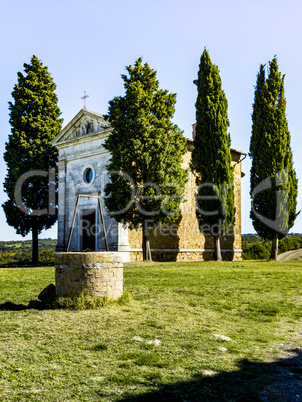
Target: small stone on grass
[[208, 373], [223, 338], [155, 342], [138, 338]]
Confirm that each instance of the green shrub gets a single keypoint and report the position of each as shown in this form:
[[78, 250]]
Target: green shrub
[[255, 248], [125, 299], [256, 251], [85, 302], [82, 302]]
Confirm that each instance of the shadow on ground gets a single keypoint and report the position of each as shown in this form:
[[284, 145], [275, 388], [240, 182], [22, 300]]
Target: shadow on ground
[[280, 380], [33, 304], [46, 301], [27, 265]]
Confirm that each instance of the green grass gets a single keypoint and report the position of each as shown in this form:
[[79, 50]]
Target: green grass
[[113, 353]]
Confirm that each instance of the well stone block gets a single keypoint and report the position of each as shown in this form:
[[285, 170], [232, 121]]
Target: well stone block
[[97, 274]]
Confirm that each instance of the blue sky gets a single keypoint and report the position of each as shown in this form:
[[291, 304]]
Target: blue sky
[[86, 46]]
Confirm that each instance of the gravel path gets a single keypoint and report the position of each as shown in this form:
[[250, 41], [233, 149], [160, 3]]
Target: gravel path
[[290, 255]]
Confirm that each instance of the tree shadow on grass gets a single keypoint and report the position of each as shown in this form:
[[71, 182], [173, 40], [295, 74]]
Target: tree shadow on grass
[[252, 381], [46, 301], [33, 304]]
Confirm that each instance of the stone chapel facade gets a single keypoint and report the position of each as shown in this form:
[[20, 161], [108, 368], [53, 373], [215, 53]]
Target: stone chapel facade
[[82, 172]]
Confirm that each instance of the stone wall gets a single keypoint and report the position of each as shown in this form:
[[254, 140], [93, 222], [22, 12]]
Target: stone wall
[[188, 255], [183, 240], [97, 274]]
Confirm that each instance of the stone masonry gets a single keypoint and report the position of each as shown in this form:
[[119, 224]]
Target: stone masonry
[[96, 274], [81, 150], [183, 240]]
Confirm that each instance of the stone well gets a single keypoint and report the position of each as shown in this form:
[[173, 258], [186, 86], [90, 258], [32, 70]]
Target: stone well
[[97, 274]]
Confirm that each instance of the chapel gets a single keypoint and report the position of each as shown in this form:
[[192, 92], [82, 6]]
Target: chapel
[[84, 224]]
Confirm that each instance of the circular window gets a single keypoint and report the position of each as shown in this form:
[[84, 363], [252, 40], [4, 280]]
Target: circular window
[[88, 175]]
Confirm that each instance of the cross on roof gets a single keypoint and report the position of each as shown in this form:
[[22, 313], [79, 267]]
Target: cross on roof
[[84, 97]]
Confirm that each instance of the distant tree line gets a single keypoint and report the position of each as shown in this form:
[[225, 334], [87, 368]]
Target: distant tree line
[[255, 248], [19, 252]]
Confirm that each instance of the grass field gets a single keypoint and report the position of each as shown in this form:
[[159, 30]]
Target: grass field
[[166, 345]]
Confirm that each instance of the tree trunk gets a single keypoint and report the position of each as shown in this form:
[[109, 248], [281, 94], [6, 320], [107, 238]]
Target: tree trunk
[[217, 251], [146, 244], [274, 252], [35, 247]]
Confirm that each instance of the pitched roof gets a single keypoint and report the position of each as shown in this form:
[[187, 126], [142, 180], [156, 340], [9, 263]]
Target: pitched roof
[[190, 141], [77, 121]]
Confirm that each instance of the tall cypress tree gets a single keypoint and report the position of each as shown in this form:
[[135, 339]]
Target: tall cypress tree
[[35, 121], [211, 156], [147, 181], [273, 178]]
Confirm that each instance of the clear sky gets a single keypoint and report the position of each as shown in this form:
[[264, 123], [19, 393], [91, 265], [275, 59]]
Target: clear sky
[[87, 44]]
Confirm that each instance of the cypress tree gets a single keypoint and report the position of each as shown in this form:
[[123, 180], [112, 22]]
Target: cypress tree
[[273, 178], [146, 180], [211, 156], [29, 155]]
